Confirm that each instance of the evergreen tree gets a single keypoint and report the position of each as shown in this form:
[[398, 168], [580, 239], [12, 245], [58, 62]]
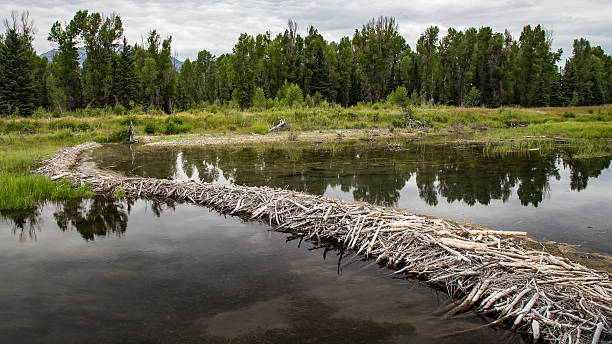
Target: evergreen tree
[[17, 85], [42, 72], [124, 79], [243, 74], [317, 77]]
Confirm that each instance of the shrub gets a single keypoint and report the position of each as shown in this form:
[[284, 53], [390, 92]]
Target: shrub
[[150, 128], [273, 118], [259, 99], [174, 125], [174, 119], [131, 118], [83, 126], [259, 128], [399, 121], [294, 95], [119, 109], [317, 98], [472, 98], [399, 97], [171, 128], [414, 98], [63, 124], [308, 101], [213, 108], [24, 127], [116, 136]]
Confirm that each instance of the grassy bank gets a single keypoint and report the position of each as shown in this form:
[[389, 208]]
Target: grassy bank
[[20, 188], [584, 122]]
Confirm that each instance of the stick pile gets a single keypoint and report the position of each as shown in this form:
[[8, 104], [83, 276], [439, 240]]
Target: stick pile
[[495, 272]]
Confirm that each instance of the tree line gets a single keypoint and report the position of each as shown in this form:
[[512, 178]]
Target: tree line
[[472, 67]]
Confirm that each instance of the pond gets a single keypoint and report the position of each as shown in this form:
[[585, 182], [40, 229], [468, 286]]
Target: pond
[[111, 271], [545, 192]]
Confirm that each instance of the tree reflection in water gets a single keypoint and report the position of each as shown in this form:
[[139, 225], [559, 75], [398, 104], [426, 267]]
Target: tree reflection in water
[[375, 174], [25, 222], [91, 218]]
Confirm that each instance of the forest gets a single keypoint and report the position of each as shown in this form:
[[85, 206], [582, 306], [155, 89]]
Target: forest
[[471, 67]]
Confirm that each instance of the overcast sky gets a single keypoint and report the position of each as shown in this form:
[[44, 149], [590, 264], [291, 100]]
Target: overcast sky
[[216, 25]]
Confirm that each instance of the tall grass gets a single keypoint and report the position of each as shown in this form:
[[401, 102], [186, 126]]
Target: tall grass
[[223, 118], [569, 129], [26, 191], [19, 156]]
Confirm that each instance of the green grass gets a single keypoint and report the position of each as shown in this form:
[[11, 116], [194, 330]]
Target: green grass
[[100, 123], [569, 129], [19, 156], [577, 148], [26, 191]]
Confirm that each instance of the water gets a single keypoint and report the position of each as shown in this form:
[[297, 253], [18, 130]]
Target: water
[[109, 271], [544, 192]]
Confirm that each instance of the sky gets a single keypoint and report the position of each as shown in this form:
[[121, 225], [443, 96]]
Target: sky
[[216, 25]]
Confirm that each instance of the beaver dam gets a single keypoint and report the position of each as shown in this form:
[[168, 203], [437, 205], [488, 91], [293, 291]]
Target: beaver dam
[[498, 273]]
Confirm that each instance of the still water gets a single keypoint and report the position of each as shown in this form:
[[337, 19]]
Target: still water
[[547, 192], [117, 271]]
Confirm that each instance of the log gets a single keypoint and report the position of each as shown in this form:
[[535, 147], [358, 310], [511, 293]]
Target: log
[[280, 125]]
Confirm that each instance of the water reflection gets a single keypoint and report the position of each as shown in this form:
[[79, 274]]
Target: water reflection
[[370, 173], [25, 223], [189, 275], [583, 169], [548, 192], [91, 218]]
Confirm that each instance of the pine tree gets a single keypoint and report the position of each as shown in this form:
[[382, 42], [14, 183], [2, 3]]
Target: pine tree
[[317, 78], [17, 86], [41, 79], [124, 80]]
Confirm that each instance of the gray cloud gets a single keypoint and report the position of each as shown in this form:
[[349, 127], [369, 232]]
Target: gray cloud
[[215, 25]]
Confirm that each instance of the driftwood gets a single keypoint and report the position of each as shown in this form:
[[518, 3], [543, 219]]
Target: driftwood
[[280, 125], [549, 297], [131, 132]]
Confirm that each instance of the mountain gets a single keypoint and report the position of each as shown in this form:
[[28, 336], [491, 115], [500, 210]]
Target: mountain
[[178, 64], [51, 54], [83, 55]]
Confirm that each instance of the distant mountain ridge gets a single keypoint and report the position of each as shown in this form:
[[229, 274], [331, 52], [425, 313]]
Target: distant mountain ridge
[[178, 64]]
